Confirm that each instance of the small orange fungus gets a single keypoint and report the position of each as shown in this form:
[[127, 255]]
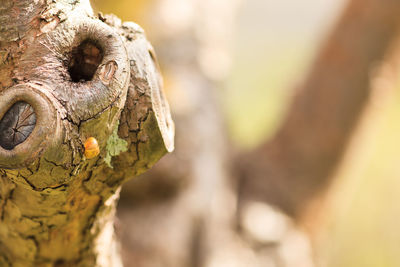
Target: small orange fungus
[[91, 148]]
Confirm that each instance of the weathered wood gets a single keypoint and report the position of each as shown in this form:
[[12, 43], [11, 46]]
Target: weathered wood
[[83, 77]]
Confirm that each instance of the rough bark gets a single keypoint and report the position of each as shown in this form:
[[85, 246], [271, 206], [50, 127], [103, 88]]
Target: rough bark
[[297, 164], [79, 76]]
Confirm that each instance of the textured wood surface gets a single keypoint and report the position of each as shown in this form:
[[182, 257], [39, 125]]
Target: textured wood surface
[[82, 76]]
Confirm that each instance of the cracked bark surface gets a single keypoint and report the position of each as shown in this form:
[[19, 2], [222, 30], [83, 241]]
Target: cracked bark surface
[[83, 76]]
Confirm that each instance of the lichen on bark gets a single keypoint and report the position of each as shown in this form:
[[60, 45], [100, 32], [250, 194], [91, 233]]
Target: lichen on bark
[[115, 146]]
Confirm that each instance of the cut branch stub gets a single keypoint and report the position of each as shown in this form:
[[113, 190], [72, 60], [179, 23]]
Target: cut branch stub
[[73, 61], [16, 125], [146, 123], [29, 123]]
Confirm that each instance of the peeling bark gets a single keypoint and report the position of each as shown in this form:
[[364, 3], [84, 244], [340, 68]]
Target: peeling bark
[[82, 76]]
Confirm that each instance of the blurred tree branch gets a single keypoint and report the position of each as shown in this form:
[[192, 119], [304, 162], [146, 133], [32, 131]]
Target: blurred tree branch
[[297, 164]]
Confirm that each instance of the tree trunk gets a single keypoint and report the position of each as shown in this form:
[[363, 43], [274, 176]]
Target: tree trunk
[[66, 76], [182, 212], [168, 210], [297, 165]]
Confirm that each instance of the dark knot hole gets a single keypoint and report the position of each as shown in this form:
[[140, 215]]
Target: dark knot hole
[[16, 125], [85, 59]]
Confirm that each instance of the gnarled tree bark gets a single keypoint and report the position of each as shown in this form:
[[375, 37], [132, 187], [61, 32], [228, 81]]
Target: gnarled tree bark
[[67, 75]]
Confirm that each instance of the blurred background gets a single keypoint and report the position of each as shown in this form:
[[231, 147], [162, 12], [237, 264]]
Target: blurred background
[[231, 69]]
